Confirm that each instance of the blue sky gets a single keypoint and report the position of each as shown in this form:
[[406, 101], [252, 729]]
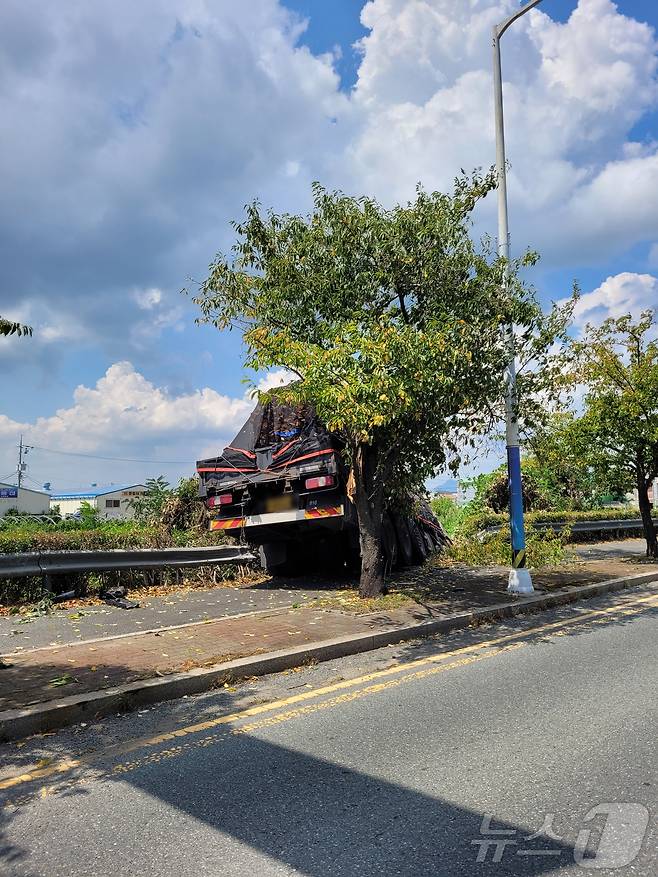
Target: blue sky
[[138, 131]]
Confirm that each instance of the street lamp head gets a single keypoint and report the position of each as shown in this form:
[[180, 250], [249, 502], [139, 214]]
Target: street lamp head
[[500, 29]]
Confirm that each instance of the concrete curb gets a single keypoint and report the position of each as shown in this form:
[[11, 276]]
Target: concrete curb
[[53, 714]]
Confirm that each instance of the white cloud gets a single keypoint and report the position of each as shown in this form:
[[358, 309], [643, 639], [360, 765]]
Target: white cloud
[[573, 92], [625, 293], [138, 131], [147, 299], [125, 415], [277, 378]]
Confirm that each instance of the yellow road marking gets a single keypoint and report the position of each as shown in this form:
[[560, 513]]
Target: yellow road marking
[[505, 642]]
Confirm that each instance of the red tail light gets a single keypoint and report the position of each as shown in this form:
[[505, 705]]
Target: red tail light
[[222, 499], [320, 481]]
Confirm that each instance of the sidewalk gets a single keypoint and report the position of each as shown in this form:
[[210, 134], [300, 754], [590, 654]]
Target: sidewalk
[[50, 673]]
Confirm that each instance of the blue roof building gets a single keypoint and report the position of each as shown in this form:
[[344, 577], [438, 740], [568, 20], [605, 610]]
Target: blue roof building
[[111, 501]]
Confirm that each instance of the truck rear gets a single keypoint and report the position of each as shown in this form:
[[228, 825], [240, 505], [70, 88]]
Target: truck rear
[[282, 485]]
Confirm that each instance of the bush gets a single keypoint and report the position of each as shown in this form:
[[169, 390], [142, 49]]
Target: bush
[[449, 513], [543, 548]]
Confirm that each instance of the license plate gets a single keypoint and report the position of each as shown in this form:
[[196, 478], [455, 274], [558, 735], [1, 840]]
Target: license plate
[[279, 503]]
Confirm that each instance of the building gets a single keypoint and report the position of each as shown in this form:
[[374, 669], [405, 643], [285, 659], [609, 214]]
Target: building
[[24, 500], [113, 501]]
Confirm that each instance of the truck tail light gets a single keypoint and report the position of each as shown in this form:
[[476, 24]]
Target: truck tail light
[[221, 499], [319, 481]]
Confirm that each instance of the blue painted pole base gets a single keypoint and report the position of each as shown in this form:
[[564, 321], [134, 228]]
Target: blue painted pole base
[[520, 581]]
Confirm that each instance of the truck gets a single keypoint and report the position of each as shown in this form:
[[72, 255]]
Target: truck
[[283, 485]]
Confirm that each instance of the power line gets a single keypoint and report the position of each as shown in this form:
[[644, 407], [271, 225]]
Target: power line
[[113, 459]]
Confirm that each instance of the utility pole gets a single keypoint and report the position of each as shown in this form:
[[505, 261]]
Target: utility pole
[[520, 581], [22, 466]]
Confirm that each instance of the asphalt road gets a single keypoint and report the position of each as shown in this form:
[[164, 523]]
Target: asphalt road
[[614, 550], [414, 760]]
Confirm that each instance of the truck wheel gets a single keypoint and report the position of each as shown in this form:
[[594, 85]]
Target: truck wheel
[[405, 547], [278, 560], [418, 542]]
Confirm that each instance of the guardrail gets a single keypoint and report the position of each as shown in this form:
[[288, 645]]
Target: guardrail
[[55, 563], [618, 524], [13, 520]]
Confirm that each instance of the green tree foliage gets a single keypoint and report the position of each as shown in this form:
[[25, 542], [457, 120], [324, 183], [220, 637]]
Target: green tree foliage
[[558, 455], [449, 513], [177, 508], [147, 508], [496, 493], [9, 327], [618, 363], [393, 320]]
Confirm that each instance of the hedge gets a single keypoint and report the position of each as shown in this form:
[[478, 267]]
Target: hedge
[[490, 519], [19, 540], [16, 540]]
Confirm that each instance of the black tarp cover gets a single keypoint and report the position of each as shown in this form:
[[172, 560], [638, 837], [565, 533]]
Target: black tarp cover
[[275, 436]]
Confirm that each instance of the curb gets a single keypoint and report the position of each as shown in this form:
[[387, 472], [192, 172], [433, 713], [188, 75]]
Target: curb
[[53, 714]]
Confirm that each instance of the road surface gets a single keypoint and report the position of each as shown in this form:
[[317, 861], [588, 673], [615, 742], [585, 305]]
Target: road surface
[[443, 757]]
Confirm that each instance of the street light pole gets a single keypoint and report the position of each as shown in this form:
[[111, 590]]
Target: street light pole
[[520, 581]]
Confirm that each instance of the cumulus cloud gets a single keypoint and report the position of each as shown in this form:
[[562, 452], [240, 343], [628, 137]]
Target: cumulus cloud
[[138, 130], [573, 92], [126, 415], [277, 378], [625, 293]]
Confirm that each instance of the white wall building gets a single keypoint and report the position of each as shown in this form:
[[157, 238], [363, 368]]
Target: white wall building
[[26, 500], [113, 501]]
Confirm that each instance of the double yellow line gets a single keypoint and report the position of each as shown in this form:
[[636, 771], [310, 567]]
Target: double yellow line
[[307, 702]]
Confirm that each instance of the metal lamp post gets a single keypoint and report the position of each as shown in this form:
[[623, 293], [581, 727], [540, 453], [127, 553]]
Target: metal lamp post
[[520, 581]]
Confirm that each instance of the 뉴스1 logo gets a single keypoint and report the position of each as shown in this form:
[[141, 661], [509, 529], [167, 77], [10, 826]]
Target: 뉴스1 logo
[[611, 837]]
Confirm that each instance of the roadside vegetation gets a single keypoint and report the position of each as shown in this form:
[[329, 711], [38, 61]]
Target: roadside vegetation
[[557, 491], [165, 517]]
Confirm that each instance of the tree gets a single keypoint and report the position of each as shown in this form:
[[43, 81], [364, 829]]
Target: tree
[[618, 363], [558, 454], [9, 327], [392, 318], [147, 508], [496, 492]]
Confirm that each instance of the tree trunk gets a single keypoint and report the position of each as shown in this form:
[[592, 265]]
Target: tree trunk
[[369, 501], [645, 512]]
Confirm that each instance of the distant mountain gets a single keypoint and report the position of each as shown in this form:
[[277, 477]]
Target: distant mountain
[[450, 485]]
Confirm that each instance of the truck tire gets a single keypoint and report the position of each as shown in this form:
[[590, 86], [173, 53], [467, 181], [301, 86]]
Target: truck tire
[[405, 547], [277, 559], [418, 543]]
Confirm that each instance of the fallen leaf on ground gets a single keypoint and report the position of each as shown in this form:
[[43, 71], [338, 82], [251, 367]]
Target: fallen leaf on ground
[[65, 679]]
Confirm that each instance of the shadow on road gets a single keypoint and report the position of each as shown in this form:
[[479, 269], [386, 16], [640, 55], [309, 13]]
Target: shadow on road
[[323, 818], [309, 813]]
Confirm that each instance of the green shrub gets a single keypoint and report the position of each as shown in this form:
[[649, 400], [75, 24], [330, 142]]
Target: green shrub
[[543, 548], [449, 513]]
